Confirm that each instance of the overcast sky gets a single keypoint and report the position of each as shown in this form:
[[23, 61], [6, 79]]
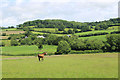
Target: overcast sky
[[14, 12]]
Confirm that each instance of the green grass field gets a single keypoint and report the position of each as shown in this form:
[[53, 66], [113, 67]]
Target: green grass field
[[102, 65], [13, 32], [12, 29], [52, 29], [4, 37], [114, 28], [97, 31], [27, 50], [101, 37], [7, 42]]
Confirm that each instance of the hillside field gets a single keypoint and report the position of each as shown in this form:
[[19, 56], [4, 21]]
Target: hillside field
[[100, 37], [102, 65], [97, 31], [27, 50], [13, 32]]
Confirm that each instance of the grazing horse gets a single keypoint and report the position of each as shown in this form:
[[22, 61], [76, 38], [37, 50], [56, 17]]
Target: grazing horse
[[41, 55]]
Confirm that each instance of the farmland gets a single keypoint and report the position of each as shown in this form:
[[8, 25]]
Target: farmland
[[11, 29], [97, 31], [101, 37], [75, 49], [12, 32], [27, 50], [4, 37], [102, 65]]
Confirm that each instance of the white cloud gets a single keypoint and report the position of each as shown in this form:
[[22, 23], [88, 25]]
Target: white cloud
[[9, 21], [18, 11], [19, 2]]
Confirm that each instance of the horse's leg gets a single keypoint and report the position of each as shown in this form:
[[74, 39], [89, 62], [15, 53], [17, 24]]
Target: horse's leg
[[42, 59], [39, 58]]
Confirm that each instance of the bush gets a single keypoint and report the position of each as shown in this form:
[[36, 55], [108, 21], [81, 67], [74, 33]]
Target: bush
[[113, 42], [40, 46], [3, 34], [2, 44], [94, 44], [14, 43], [26, 41], [77, 44], [63, 47]]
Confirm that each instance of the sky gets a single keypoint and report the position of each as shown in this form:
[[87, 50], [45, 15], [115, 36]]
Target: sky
[[14, 12]]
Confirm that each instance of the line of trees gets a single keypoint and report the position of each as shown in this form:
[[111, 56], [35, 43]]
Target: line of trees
[[93, 34], [62, 24]]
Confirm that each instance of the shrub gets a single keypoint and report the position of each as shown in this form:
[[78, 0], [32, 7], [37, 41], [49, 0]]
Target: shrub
[[3, 34], [113, 42], [40, 46], [2, 44], [14, 43], [63, 47]]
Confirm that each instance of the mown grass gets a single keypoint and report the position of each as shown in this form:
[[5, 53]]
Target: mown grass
[[113, 28], [50, 34], [96, 31], [101, 37], [104, 65], [38, 32], [27, 50], [52, 30], [12, 29]]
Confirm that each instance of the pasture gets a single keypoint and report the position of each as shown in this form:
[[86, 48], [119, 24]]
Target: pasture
[[7, 42], [96, 31], [11, 29], [100, 37], [27, 50], [13, 32], [114, 28], [4, 37], [102, 65]]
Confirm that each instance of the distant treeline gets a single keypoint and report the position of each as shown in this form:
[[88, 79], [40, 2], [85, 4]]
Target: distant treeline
[[62, 24]]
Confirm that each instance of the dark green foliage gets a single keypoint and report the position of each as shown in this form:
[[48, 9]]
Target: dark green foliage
[[65, 32], [33, 37], [70, 31], [63, 47], [28, 33], [39, 41], [14, 42], [94, 44], [113, 43], [3, 34], [85, 28], [28, 28], [2, 44], [51, 39], [26, 41], [93, 34], [10, 26], [62, 24], [40, 46], [77, 44], [75, 30], [61, 28]]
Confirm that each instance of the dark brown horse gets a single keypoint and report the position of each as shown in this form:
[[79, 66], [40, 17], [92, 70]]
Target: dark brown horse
[[41, 56]]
